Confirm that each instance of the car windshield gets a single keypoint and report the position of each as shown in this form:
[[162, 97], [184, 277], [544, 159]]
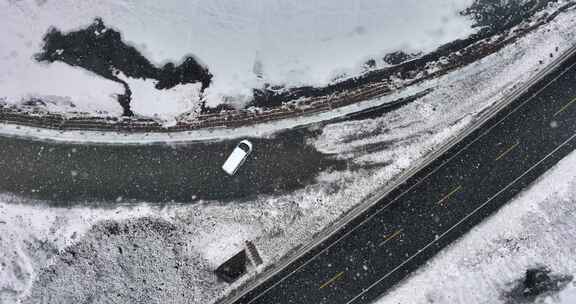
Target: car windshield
[[287, 151], [244, 147]]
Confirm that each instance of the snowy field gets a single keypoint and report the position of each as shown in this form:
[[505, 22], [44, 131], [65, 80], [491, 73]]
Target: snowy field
[[242, 43], [145, 253], [535, 229]]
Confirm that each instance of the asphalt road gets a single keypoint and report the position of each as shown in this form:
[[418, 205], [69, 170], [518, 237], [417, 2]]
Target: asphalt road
[[437, 205], [64, 174]]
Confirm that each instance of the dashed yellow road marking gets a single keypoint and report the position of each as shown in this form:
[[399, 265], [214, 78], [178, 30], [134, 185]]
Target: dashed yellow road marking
[[448, 195], [565, 106], [391, 237], [334, 278], [507, 151]]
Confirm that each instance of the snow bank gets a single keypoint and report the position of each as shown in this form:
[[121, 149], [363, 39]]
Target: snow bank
[[164, 105], [31, 235], [291, 42]]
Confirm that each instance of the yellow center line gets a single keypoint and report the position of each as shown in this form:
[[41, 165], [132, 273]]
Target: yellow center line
[[507, 151], [336, 277], [448, 195], [565, 106], [391, 237]]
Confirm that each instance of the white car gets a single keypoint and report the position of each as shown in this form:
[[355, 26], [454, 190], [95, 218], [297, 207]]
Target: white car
[[238, 156]]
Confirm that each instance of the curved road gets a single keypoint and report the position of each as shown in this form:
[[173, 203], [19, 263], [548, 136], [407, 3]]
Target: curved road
[[62, 173]]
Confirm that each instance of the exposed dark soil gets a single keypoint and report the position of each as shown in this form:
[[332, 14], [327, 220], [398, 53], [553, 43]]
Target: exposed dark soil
[[537, 282], [398, 57], [101, 50], [492, 17], [105, 56], [380, 110]]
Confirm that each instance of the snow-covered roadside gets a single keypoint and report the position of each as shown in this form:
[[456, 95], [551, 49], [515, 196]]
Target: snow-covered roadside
[[264, 129], [30, 236], [496, 74], [287, 40], [164, 106], [276, 224], [536, 228]]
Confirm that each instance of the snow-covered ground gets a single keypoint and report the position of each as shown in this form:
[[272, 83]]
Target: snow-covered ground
[[291, 42], [535, 229], [93, 250], [165, 106]]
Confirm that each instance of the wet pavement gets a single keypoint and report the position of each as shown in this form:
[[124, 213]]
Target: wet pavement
[[160, 173]]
